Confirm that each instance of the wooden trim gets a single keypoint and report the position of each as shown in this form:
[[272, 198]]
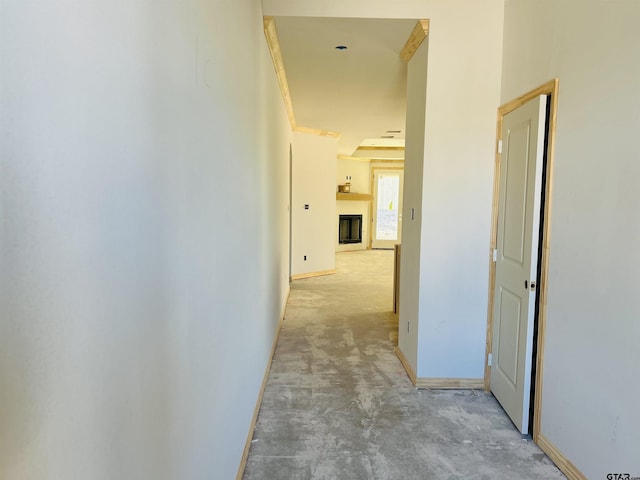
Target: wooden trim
[[562, 462], [354, 196], [263, 386], [386, 160], [553, 88], [379, 147], [371, 159], [355, 159], [450, 383], [273, 43], [405, 364], [550, 88], [320, 273], [493, 242], [316, 131], [419, 33], [278, 63], [372, 173]]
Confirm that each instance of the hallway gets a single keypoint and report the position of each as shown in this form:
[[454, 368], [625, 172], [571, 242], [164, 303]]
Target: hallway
[[339, 405]]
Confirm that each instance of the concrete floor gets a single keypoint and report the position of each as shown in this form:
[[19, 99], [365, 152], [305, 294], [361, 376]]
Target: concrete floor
[[338, 404]]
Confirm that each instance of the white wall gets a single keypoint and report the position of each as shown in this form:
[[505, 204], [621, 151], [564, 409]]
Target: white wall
[[408, 321], [462, 95], [143, 247], [314, 184], [465, 52], [591, 357]]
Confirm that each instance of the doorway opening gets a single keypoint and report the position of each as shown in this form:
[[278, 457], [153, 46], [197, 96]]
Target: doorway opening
[[386, 207], [543, 198], [289, 209], [517, 291]]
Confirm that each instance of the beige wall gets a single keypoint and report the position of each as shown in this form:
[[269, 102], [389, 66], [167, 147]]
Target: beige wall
[[591, 356], [359, 173], [143, 248]]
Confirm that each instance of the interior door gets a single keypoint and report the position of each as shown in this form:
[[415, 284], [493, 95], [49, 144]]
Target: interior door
[[523, 132], [387, 208]]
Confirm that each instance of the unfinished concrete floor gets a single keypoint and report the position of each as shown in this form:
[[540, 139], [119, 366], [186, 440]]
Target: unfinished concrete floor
[[338, 404]]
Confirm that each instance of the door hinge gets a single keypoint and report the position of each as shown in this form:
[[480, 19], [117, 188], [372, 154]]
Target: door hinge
[[499, 146], [489, 359], [495, 254]]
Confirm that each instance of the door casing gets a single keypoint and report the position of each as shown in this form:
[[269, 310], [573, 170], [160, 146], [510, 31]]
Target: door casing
[[550, 88]]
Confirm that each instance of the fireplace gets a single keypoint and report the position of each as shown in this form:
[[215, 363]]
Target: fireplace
[[350, 229]]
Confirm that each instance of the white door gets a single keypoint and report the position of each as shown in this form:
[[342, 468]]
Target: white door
[[523, 132], [387, 208]]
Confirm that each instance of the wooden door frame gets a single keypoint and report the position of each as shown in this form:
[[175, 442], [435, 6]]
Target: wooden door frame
[[373, 202], [550, 88]]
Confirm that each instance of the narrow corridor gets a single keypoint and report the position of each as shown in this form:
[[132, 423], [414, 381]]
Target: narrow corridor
[[339, 405]]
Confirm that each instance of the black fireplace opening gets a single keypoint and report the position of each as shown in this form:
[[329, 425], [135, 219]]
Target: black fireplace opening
[[350, 229]]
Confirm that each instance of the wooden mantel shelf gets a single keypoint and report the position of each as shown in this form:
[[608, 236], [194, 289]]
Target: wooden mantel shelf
[[353, 196]]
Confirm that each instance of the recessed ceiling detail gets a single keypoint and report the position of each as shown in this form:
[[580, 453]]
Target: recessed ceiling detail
[[357, 94], [382, 143]]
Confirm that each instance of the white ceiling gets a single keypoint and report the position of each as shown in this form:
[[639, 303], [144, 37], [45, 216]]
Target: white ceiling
[[359, 92]]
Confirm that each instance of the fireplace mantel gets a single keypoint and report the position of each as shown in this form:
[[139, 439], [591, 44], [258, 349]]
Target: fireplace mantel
[[353, 196]]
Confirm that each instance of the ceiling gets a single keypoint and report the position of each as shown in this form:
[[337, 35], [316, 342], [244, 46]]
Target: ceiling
[[360, 91]]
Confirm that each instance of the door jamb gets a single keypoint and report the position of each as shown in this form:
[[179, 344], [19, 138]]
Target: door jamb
[[550, 88], [373, 202]]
